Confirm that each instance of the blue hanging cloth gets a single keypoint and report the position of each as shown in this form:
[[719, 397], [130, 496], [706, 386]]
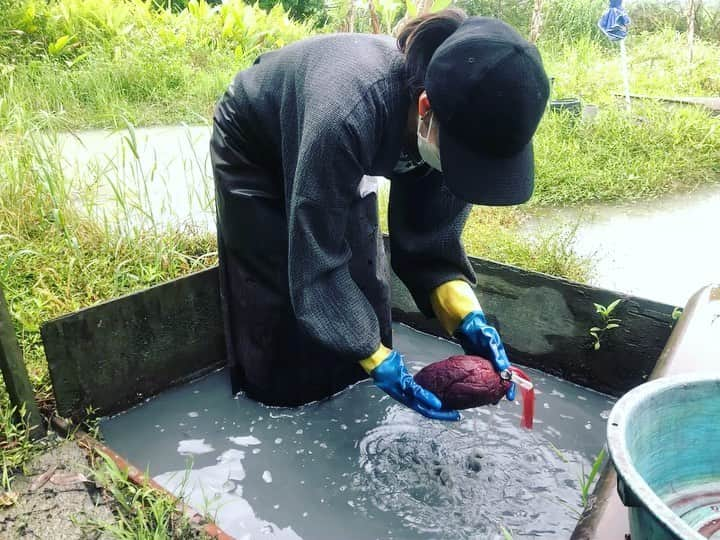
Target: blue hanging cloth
[[614, 22]]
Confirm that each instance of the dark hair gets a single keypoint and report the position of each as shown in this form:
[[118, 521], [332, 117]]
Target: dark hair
[[419, 39]]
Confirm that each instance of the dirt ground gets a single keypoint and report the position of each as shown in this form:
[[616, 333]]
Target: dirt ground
[[54, 500]]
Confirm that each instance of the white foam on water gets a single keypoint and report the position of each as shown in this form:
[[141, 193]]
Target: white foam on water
[[194, 446], [247, 440], [205, 489], [193, 414]]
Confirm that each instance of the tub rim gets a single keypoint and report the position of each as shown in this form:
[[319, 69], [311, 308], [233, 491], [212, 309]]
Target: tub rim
[[631, 484]]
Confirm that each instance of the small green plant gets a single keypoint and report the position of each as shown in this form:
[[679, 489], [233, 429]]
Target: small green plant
[[677, 313], [91, 422], [587, 481], [16, 447], [559, 453], [507, 534], [607, 320]]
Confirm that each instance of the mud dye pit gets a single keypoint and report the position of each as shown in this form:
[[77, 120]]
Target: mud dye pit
[[360, 466]]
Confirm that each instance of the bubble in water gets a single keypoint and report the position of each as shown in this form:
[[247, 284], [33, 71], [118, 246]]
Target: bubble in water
[[299, 432], [588, 426], [278, 440], [255, 451], [605, 414], [304, 514], [546, 405], [267, 476], [582, 398], [276, 506], [343, 427]]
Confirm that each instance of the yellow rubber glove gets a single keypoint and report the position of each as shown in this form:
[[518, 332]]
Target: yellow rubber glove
[[375, 359], [452, 302], [458, 310]]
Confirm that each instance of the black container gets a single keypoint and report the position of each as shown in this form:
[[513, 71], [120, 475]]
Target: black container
[[571, 106]]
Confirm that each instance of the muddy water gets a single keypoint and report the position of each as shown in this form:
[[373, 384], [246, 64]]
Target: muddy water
[[664, 249], [360, 466], [159, 176]]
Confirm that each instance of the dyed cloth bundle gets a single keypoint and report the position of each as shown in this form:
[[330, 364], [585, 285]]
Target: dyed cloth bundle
[[464, 382]]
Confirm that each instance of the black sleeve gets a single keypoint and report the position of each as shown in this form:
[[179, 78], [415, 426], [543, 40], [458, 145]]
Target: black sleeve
[[426, 222], [328, 304]]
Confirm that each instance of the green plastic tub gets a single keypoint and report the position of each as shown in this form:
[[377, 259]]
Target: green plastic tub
[[664, 440]]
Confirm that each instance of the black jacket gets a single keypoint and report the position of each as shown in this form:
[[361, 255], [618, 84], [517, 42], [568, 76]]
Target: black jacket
[[320, 114]]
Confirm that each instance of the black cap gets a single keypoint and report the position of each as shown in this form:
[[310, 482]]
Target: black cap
[[488, 90]]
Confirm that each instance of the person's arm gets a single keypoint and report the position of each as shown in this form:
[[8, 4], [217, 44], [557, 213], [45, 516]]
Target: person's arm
[[426, 224], [329, 306]]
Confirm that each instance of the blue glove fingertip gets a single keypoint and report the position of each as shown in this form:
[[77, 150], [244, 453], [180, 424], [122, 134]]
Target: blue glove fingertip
[[512, 391]]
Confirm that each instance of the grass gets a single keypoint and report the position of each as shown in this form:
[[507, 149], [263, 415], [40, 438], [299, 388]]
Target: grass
[[587, 481], [102, 61], [55, 260], [142, 512], [16, 447]]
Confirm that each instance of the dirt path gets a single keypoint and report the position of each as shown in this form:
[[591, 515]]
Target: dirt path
[[54, 500]]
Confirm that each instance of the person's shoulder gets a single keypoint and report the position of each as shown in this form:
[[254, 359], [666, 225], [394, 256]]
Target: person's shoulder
[[349, 49]]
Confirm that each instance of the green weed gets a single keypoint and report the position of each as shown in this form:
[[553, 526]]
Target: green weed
[[587, 481], [16, 446], [607, 321], [142, 512]]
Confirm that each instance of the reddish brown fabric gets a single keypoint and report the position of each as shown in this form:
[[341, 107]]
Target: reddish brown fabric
[[463, 382]]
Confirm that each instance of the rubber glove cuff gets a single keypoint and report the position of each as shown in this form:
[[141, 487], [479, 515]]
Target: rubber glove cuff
[[375, 359], [451, 303], [479, 338]]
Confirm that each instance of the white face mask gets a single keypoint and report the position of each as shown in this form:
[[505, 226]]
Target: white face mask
[[429, 152]]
